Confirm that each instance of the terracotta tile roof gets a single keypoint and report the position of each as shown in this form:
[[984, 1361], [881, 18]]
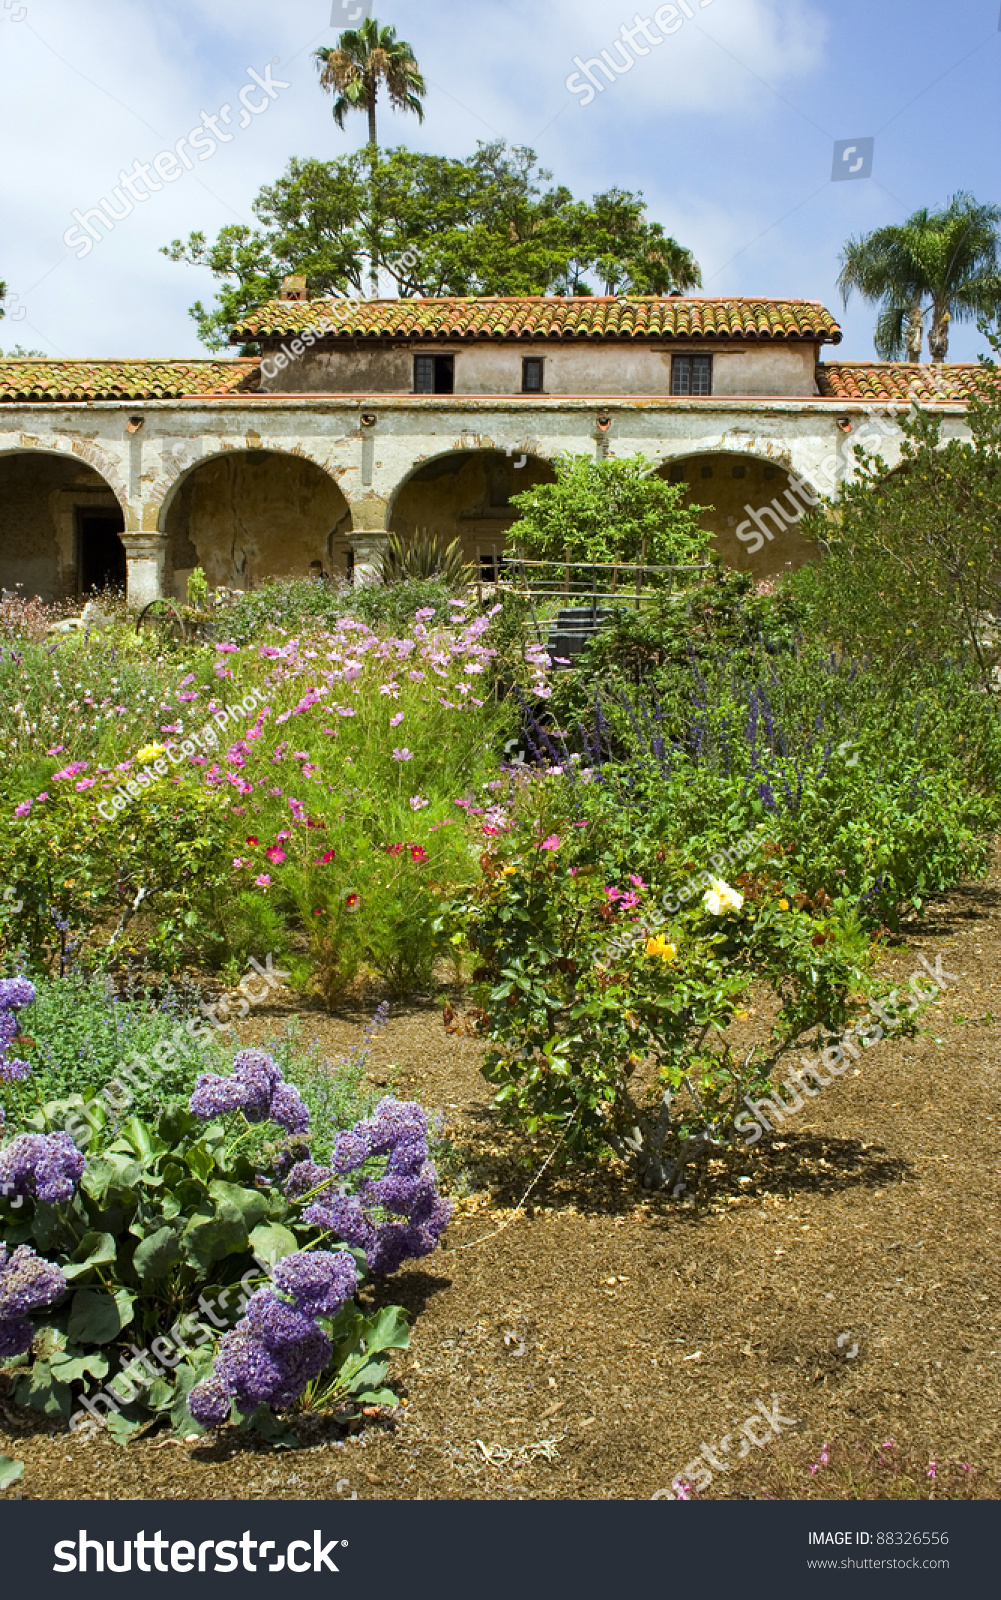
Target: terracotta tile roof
[[125, 380], [897, 380], [650, 317]]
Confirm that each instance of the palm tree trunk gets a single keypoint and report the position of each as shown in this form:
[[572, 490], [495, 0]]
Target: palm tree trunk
[[915, 331], [373, 154], [938, 338]]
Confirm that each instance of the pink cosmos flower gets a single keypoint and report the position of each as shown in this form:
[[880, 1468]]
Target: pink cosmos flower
[[394, 722], [57, 750], [418, 803], [171, 727], [43, 796], [637, 883], [419, 854], [326, 858], [85, 783], [24, 810], [552, 843], [403, 755], [70, 771], [226, 649], [263, 882], [275, 854]]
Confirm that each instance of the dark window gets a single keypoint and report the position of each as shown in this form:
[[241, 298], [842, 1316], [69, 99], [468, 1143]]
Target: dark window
[[707, 472], [434, 374], [677, 474], [770, 472], [531, 375], [740, 471], [101, 553], [692, 375]]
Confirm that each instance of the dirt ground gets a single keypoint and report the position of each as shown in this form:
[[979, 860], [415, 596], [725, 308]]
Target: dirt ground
[[588, 1348]]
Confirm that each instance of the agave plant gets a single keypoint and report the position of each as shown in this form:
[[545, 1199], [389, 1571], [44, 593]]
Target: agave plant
[[425, 556]]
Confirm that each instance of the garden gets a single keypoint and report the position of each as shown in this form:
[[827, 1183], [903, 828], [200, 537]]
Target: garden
[[432, 1067]]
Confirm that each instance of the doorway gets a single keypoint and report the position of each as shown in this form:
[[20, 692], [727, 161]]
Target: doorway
[[100, 551]]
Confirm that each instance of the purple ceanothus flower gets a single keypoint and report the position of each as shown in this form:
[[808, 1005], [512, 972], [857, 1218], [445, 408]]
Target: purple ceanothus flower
[[277, 1348], [256, 1088], [27, 1284], [48, 1165], [392, 1218]]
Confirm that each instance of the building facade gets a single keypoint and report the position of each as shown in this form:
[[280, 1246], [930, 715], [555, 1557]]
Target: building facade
[[360, 419]]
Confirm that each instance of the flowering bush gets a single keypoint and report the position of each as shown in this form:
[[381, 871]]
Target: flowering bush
[[168, 1234], [606, 1015]]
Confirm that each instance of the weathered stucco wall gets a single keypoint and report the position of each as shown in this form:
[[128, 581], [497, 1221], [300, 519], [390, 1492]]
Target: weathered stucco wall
[[571, 369], [751, 497], [39, 498], [251, 516], [367, 449]]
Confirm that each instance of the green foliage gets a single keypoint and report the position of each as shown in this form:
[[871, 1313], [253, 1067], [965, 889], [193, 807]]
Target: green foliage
[[170, 1232], [611, 510], [913, 564], [488, 224], [198, 589], [426, 556], [606, 1013]]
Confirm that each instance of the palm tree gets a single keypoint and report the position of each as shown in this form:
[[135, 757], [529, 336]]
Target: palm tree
[[943, 264], [364, 59]]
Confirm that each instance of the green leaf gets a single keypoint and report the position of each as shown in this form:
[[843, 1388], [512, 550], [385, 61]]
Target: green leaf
[[250, 1204], [157, 1254], [94, 1250], [72, 1363], [97, 1316], [200, 1161], [389, 1330], [120, 1428], [271, 1242], [44, 1393], [11, 1472]]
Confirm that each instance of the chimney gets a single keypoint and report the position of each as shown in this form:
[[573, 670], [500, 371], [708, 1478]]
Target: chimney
[[294, 289]]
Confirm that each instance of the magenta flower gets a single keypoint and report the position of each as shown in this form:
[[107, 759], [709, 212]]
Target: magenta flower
[[275, 855], [263, 882], [43, 796], [637, 883], [552, 843], [70, 772], [226, 649], [23, 810], [57, 750], [85, 783]]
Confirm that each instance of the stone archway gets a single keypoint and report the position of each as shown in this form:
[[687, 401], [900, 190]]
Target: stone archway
[[62, 525], [466, 495], [248, 515], [757, 506]]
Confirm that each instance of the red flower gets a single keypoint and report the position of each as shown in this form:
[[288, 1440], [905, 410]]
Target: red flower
[[253, 843], [419, 854], [318, 912], [351, 901], [395, 849], [327, 857]]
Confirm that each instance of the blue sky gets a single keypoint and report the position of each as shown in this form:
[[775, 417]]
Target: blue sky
[[728, 127]]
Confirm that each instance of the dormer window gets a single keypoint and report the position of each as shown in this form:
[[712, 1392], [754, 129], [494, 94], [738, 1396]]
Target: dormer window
[[691, 375], [434, 375]]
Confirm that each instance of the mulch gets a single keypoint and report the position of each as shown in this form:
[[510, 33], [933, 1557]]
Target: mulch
[[588, 1345]]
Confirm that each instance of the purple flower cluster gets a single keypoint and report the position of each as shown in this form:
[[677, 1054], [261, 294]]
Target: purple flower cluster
[[15, 994], [26, 1284], [256, 1088], [48, 1166], [277, 1348], [392, 1218]]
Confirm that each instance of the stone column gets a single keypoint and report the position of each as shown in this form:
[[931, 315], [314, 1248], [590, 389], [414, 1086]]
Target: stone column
[[145, 559]]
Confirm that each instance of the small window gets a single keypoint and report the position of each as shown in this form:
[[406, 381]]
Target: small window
[[692, 375], [770, 472], [531, 375], [707, 472], [677, 475], [434, 374], [740, 471]]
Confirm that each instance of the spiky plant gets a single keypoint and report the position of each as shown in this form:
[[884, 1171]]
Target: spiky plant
[[425, 556]]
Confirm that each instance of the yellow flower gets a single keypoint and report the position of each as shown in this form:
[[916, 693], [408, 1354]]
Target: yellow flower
[[783, 905], [150, 752], [506, 870], [658, 947]]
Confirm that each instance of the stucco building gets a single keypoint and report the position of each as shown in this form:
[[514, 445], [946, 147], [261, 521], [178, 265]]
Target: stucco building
[[361, 418]]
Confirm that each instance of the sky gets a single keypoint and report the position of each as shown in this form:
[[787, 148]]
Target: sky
[[728, 126]]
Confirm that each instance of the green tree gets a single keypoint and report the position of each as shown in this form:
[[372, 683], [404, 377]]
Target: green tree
[[365, 60], [609, 511], [913, 552], [943, 265]]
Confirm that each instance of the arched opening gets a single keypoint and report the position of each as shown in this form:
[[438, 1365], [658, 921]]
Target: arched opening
[[757, 507], [246, 516], [466, 495], [61, 527]]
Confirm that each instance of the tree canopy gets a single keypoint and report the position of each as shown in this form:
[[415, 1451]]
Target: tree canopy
[[492, 223]]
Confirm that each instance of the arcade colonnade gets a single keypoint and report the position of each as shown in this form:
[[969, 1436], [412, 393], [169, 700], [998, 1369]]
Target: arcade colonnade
[[254, 487]]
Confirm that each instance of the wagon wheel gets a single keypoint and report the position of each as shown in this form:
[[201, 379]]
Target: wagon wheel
[[163, 618]]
